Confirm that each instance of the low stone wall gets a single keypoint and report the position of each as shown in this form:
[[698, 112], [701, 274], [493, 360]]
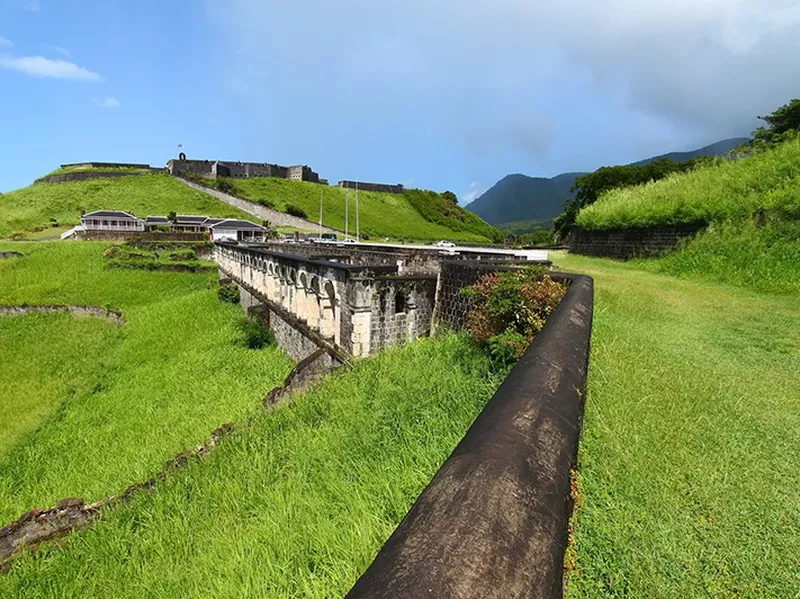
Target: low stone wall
[[493, 522], [128, 236], [288, 333], [114, 316], [630, 242], [84, 175]]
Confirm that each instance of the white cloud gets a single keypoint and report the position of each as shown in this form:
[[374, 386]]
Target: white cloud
[[4, 43], [475, 191], [61, 50], [709, 65], [107, 102], [39, 66]]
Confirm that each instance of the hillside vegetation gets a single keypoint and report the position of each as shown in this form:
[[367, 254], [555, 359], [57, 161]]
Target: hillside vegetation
[[89, 408], [752, 205], [688, 462], [296, 504], [414, 214], [42, 205], [767, 182]]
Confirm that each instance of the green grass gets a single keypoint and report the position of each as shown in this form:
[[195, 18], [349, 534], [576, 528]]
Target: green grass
[[298, 504], [380, 214], [765, 258], [521, 227], [689, 459], [768, 182], [85, 167], [31, 208], [102, 407]]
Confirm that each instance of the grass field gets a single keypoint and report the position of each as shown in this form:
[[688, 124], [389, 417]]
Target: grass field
[[31, 208], [689, 460], [380, 214], [92, 407], [768, 182], [298, 504]]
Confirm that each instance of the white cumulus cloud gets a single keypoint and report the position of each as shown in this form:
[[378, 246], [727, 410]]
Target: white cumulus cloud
[[4, 43], [39, 66]]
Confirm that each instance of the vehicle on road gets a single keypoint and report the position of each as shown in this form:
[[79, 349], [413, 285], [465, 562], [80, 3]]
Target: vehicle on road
[[445, 244]]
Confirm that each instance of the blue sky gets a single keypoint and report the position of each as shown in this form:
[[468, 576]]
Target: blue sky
[[441, 94]]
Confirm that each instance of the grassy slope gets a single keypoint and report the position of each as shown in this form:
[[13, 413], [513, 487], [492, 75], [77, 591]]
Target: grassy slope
[[117, 403], [31, 208], [380, 214], [296, 505], [689, 461], [736, 190]]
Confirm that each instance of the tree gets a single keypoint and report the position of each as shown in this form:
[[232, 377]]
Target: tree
[[449, 195], [172, 217], [782, 123]]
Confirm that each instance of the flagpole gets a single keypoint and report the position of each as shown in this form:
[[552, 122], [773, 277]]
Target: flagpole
[[320, 214], [347, 213], [357, 228]]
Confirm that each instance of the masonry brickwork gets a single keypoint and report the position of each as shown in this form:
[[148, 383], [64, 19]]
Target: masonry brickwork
[[212, 169], [366, 186], [353, 300], [627, 243]]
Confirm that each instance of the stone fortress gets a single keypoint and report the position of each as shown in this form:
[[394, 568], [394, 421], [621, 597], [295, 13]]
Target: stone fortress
[[212, 169]]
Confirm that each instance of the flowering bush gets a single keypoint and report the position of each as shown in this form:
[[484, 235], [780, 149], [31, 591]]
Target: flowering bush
[[510, 308]]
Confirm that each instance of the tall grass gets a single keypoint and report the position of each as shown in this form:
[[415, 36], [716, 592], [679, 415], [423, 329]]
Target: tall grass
[[31, 208], [118, 402], [768, 182], [380, 214], [298, 504], [689, 459]]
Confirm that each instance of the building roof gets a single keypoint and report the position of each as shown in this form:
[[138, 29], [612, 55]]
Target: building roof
[[213, 221], [110, 214], [190, 219], [232, 223], [161, 220]]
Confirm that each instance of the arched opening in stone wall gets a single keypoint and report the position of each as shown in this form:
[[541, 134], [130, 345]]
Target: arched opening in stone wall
[[399, 302]]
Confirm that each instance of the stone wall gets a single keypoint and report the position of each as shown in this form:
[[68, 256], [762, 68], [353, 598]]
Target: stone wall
[[493, 522], [128, 236], [239, 170], [630, 242], [402, 308], [365, 186], [290, 337], [84, 175]]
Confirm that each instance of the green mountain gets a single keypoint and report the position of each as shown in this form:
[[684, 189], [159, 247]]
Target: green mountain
[[521, 198]]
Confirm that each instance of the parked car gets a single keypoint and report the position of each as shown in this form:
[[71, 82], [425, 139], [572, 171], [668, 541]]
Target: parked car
[[445, 244], [348, 240]]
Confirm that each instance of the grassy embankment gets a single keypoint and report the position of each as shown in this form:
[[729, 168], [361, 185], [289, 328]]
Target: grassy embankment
[[753, 205], [689, 460], [414, 214], [31, 209], [298, 504], [89, 408]]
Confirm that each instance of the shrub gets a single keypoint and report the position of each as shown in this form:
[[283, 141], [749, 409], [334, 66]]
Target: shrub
[[224, 185], [296, 211], [510, 308], [228, 293], [256, 335]]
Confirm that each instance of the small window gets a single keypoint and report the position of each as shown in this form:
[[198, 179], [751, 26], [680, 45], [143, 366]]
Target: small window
[[399, 302]]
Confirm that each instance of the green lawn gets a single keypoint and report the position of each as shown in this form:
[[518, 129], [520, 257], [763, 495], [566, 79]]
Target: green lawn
[[689, 460], [380, 214], [297, 504], [90, 408], [31, 208]]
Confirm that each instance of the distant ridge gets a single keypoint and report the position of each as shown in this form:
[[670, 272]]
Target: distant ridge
[[518, 197]]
